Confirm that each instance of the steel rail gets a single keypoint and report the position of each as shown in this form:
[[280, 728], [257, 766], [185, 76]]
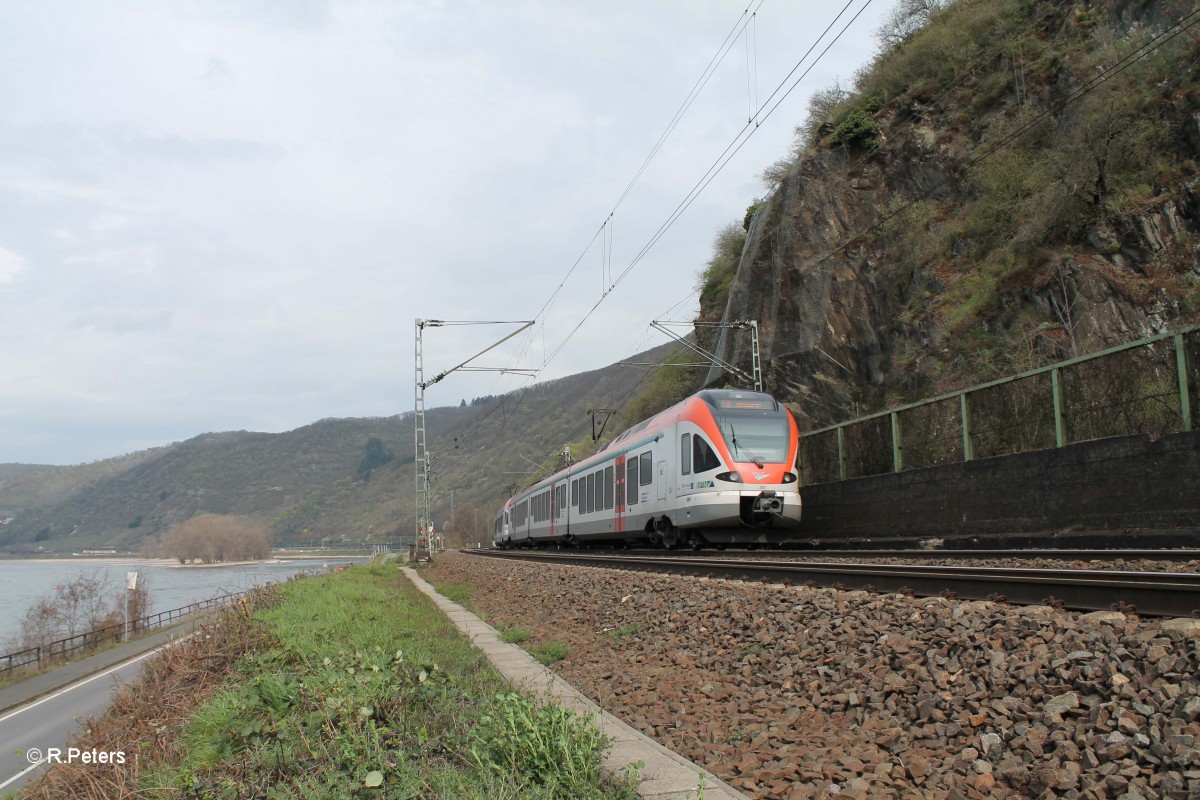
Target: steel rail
[[1169, 594], [1022, 554]]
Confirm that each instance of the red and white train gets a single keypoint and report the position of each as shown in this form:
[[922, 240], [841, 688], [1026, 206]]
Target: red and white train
[[717, 468]]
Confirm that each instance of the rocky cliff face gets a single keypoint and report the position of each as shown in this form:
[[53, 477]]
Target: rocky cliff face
[[919, 257]]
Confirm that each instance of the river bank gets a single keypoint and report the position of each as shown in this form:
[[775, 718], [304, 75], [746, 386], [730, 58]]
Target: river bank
[[332, 686], [24, 582]]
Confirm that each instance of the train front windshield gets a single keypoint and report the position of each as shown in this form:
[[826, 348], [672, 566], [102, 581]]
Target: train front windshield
[[754, 438]]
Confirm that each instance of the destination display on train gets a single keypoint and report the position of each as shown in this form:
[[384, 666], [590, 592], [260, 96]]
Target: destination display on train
[[746, 404]]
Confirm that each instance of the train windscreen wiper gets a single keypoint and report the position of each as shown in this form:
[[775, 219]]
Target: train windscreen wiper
[[758, 462]]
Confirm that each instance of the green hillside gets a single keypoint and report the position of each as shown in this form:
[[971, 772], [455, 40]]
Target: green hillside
[[310, 483]]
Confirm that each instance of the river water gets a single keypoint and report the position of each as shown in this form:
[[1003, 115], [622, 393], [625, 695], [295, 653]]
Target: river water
[[22, 582]]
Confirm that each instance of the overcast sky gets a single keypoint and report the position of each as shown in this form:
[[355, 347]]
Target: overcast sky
[[226, 215]]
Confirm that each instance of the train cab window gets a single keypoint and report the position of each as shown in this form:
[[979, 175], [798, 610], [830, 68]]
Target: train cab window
[[608, 487], [631, 482], [646, 468], [703, 457], [685, 454]]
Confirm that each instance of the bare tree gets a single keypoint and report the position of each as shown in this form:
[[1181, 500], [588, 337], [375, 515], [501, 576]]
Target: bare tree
[[89, 602], [821, 108], [908, 17], [217, 537]]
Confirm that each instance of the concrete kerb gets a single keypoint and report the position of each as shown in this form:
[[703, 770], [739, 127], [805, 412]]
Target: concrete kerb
[[666, 775]]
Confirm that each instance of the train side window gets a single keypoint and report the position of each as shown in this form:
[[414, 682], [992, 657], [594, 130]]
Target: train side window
[[591, 492], [631, 482], [685, 453], [608, 487], [646, 468], [575, 493], [562, 498], [703, 457]]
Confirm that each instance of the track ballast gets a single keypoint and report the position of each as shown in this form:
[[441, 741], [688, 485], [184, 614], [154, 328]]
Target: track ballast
[[1173, 594]]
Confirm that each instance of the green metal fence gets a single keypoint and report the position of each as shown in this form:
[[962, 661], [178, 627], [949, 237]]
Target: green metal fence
[[1148, 386]]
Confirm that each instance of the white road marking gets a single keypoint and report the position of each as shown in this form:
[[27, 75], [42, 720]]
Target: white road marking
[[22, 773], [89, 679]]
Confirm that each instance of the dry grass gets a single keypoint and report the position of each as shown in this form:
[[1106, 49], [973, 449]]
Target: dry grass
[[146, 717]]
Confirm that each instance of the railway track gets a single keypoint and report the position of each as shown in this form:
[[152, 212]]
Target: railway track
[[1016, 554], [1171, 594], [1054, 555]]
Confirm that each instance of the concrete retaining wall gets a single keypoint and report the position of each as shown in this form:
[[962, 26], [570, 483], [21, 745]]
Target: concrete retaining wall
[[1149, 488]]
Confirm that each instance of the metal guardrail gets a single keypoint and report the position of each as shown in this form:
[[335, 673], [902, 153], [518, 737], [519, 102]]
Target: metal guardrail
[[1148, 386], [60, 649]]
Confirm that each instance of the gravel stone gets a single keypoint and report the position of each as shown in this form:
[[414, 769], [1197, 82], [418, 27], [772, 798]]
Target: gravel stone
[[804, 693]]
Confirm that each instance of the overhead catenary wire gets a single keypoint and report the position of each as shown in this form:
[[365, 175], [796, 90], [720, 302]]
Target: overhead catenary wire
[[742, 25], [726, 155], [1182, 26], [748, 15], [782, 91], [714, 62]]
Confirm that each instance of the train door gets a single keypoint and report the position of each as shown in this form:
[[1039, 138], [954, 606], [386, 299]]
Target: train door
[[558, 507], [662, 480], [619, 506]]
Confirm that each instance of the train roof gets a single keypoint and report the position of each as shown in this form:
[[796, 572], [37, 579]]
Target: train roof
[[723, 400]]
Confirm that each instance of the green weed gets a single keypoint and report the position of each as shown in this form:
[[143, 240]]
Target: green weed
[[368, 689], [515, 635], [621, 634], [549, 652], [457, 592], [541, 745]]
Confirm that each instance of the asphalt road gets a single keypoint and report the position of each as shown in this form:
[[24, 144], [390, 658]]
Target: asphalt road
[[48, 722]]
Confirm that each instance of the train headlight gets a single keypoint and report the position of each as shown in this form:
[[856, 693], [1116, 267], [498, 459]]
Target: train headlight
[[732, 477], [789, 477]]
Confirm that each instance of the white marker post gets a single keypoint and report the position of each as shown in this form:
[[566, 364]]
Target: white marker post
[[130, 585]]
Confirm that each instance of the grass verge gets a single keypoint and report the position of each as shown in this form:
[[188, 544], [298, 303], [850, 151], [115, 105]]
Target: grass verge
[[362, 688]]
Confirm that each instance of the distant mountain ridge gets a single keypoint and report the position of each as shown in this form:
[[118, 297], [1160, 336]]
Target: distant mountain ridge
[[304, 481]]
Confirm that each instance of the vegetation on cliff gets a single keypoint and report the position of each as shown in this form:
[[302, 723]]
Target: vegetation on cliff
[[1008, 183]]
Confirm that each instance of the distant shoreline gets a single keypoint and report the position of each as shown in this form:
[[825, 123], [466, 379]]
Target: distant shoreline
[[89, 560], [173, 562]]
